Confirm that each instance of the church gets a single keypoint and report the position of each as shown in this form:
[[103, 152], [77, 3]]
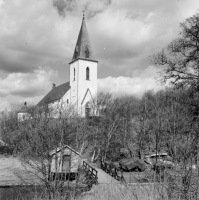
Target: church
[[80, 93]]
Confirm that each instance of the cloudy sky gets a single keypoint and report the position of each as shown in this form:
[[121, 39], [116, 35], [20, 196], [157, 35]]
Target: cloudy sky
[[37, 40]]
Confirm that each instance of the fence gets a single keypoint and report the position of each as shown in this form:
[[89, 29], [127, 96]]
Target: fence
[[91, 174], [112, 170]]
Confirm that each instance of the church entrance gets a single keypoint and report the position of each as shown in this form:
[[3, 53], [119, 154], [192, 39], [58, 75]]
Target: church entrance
[[88, 109]]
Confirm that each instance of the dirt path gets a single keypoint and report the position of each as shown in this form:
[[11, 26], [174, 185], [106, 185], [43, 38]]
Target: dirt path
[[103, 177], [110, 188]]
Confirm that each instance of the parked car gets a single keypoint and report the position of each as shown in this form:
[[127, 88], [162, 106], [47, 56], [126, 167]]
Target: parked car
[[159, 160]]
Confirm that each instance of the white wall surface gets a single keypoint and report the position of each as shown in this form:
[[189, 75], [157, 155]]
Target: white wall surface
[[77, 94], [80, 86]]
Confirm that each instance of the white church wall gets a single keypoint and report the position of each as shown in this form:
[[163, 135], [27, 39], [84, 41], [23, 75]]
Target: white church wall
[[66, 100], [80, 85], [73, 83], [84, 85], [78, 95], [68, 105], [86, 99], [60, 106], [54, 109]]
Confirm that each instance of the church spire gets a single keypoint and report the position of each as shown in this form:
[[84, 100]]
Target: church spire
[[83, 47]]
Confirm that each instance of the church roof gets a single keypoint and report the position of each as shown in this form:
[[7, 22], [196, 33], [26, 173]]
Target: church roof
[[56, 93], [83, 47]]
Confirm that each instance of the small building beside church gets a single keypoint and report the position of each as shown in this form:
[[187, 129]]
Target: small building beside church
[[80, 92], [23, 113]]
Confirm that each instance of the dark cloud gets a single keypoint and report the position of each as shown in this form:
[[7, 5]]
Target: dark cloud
[[11, 65], [63, 6], [91, 13], [91, 8]]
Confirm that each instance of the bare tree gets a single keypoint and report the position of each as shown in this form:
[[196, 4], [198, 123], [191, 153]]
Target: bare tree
[[34, 139], [181, 56]]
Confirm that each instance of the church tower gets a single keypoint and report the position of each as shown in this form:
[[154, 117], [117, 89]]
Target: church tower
[[83, 75]]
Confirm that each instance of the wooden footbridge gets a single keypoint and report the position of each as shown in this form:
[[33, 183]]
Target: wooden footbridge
[[106, 175], [112, 171]]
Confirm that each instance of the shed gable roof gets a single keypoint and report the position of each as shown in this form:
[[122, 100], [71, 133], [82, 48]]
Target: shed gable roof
[[56, 93], [57, 150]]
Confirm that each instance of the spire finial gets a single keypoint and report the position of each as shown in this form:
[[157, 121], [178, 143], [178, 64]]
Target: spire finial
[[83, 13]]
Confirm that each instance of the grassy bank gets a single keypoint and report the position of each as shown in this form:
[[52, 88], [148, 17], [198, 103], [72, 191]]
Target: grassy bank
[[109, 192]]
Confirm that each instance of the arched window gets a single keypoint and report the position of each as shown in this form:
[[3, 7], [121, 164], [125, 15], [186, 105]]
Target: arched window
[[74, 74], [88, 109], [87, 73]]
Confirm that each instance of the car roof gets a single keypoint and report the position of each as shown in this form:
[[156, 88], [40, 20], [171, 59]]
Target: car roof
[[158, 154]]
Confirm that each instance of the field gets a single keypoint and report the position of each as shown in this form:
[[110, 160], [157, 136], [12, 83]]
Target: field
[[13, 172]]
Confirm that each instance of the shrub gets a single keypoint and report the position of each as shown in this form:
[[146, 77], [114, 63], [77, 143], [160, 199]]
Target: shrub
[[6, 150]]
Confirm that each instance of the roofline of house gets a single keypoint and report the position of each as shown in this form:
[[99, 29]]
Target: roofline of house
[[83, 59], [48, 102]]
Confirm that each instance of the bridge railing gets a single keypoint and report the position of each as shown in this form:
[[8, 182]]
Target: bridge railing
[[112, 170], [91, 174]]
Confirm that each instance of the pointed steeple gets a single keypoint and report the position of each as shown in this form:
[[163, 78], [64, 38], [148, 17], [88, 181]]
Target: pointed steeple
[[83, 47]]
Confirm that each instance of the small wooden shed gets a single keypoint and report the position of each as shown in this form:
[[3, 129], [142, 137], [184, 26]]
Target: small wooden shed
[[65, 161]]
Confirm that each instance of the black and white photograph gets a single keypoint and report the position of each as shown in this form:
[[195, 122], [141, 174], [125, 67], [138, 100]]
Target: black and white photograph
[[99, 99]]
